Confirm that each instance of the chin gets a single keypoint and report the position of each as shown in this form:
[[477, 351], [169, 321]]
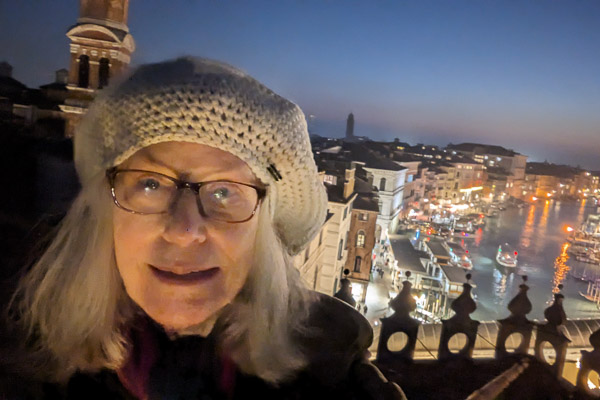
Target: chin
[[180, 316]]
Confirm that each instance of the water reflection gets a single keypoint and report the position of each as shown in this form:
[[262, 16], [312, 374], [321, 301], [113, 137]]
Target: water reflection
[[543, 257], [560, 268], [540, 234], [581, 212], [478, 236], [502, 280], [528, 228]]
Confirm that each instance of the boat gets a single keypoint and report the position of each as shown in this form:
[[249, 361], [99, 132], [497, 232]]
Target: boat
[[506, 255], [459, 257], [593, 292], [588, 259]]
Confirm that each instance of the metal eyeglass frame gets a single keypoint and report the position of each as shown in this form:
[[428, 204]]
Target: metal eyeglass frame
[[179, 185]]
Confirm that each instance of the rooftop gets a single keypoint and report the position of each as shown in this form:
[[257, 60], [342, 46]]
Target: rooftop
[[478, 148], [408, 258], [455, 274], [437, 248]]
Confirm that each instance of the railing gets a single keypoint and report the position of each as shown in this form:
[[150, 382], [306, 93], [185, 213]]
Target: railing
[[553, 332]]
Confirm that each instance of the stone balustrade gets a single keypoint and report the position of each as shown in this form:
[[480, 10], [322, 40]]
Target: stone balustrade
[[403, 339]]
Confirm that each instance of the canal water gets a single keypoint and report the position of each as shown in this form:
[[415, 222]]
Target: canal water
[[539, 235]]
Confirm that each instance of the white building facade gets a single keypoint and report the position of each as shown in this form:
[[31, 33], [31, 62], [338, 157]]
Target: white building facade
[[390, 184]]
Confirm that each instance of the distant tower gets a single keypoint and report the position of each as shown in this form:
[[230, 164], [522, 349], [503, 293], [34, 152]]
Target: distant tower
[[101, 48], [350, 127]]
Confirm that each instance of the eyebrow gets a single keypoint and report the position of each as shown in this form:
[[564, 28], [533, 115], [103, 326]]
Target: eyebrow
[[148, 157]]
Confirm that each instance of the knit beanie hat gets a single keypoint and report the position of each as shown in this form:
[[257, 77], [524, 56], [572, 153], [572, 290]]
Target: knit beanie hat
[[211, 103]]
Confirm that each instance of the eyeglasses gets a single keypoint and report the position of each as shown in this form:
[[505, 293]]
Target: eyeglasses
[[148, 192]]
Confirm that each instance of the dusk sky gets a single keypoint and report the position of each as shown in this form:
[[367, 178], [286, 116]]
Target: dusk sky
[[521, 74]]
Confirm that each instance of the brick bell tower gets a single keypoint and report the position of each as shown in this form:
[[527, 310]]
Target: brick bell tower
[[100, 48]]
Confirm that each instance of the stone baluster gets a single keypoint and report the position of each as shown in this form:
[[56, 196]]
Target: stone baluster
[[590, 361], [460, 323], [403, 304], [517, 322], [553, 332]]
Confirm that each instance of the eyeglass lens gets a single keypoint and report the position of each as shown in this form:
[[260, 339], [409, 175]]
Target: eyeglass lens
[[152, 193]]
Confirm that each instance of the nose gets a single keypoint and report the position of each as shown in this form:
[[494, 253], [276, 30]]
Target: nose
[[185, 225]]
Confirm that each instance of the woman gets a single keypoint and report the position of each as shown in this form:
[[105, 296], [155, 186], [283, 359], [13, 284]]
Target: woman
[[171, 275]]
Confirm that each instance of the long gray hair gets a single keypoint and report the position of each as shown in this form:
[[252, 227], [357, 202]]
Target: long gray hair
[[75, 311]]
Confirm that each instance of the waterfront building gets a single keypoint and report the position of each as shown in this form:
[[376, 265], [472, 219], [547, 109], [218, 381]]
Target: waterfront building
[[497, 156], [470, 177]]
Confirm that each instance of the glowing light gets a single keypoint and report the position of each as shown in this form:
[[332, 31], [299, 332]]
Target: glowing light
[[533, 198], [569, 229], [471, 189]]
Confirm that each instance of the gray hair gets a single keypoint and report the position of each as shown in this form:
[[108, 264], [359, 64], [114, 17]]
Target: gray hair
[[75, 311]]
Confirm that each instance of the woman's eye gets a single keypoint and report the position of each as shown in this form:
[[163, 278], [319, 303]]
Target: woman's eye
[[221, 193], [150, 184]]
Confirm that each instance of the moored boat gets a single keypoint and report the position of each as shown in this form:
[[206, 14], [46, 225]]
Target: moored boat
[[507, 256]]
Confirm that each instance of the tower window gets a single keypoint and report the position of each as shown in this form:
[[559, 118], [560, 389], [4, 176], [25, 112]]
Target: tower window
[[357, 262], [103, 73], [360, 239], [84, 71]]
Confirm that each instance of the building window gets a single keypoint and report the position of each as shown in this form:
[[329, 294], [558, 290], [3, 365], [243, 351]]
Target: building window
[[316, 275], [382, 184], [340, 248], [357, 262], [103, 73], [84, 71], [345, 213], [360, 239], [307, 254], [321, 237], [363, 216]]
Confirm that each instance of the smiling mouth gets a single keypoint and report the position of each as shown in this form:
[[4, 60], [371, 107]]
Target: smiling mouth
[[190, 277]]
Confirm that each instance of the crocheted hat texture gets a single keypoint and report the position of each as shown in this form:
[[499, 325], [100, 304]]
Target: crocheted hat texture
[[211, 103]]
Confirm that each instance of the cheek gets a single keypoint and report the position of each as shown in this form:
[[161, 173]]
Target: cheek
[[132, 238], [239, 246]]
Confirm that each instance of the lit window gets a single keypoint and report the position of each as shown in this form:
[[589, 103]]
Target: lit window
[[360, 239]]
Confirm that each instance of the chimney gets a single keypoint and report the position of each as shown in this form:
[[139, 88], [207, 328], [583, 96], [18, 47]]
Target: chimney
[[349, 182], [62, 76], [6, 69]]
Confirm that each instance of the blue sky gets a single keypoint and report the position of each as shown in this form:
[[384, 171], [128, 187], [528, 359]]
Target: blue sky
[[522, 74]]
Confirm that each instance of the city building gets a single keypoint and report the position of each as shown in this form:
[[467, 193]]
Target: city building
[[310, 262], [339, 183], [361, 237], [496, 156]]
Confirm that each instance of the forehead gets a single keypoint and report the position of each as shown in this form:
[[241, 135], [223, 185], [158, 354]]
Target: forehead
[[191, 160]]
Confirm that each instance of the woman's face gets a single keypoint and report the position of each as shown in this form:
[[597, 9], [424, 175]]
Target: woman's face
[[180, 267]]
